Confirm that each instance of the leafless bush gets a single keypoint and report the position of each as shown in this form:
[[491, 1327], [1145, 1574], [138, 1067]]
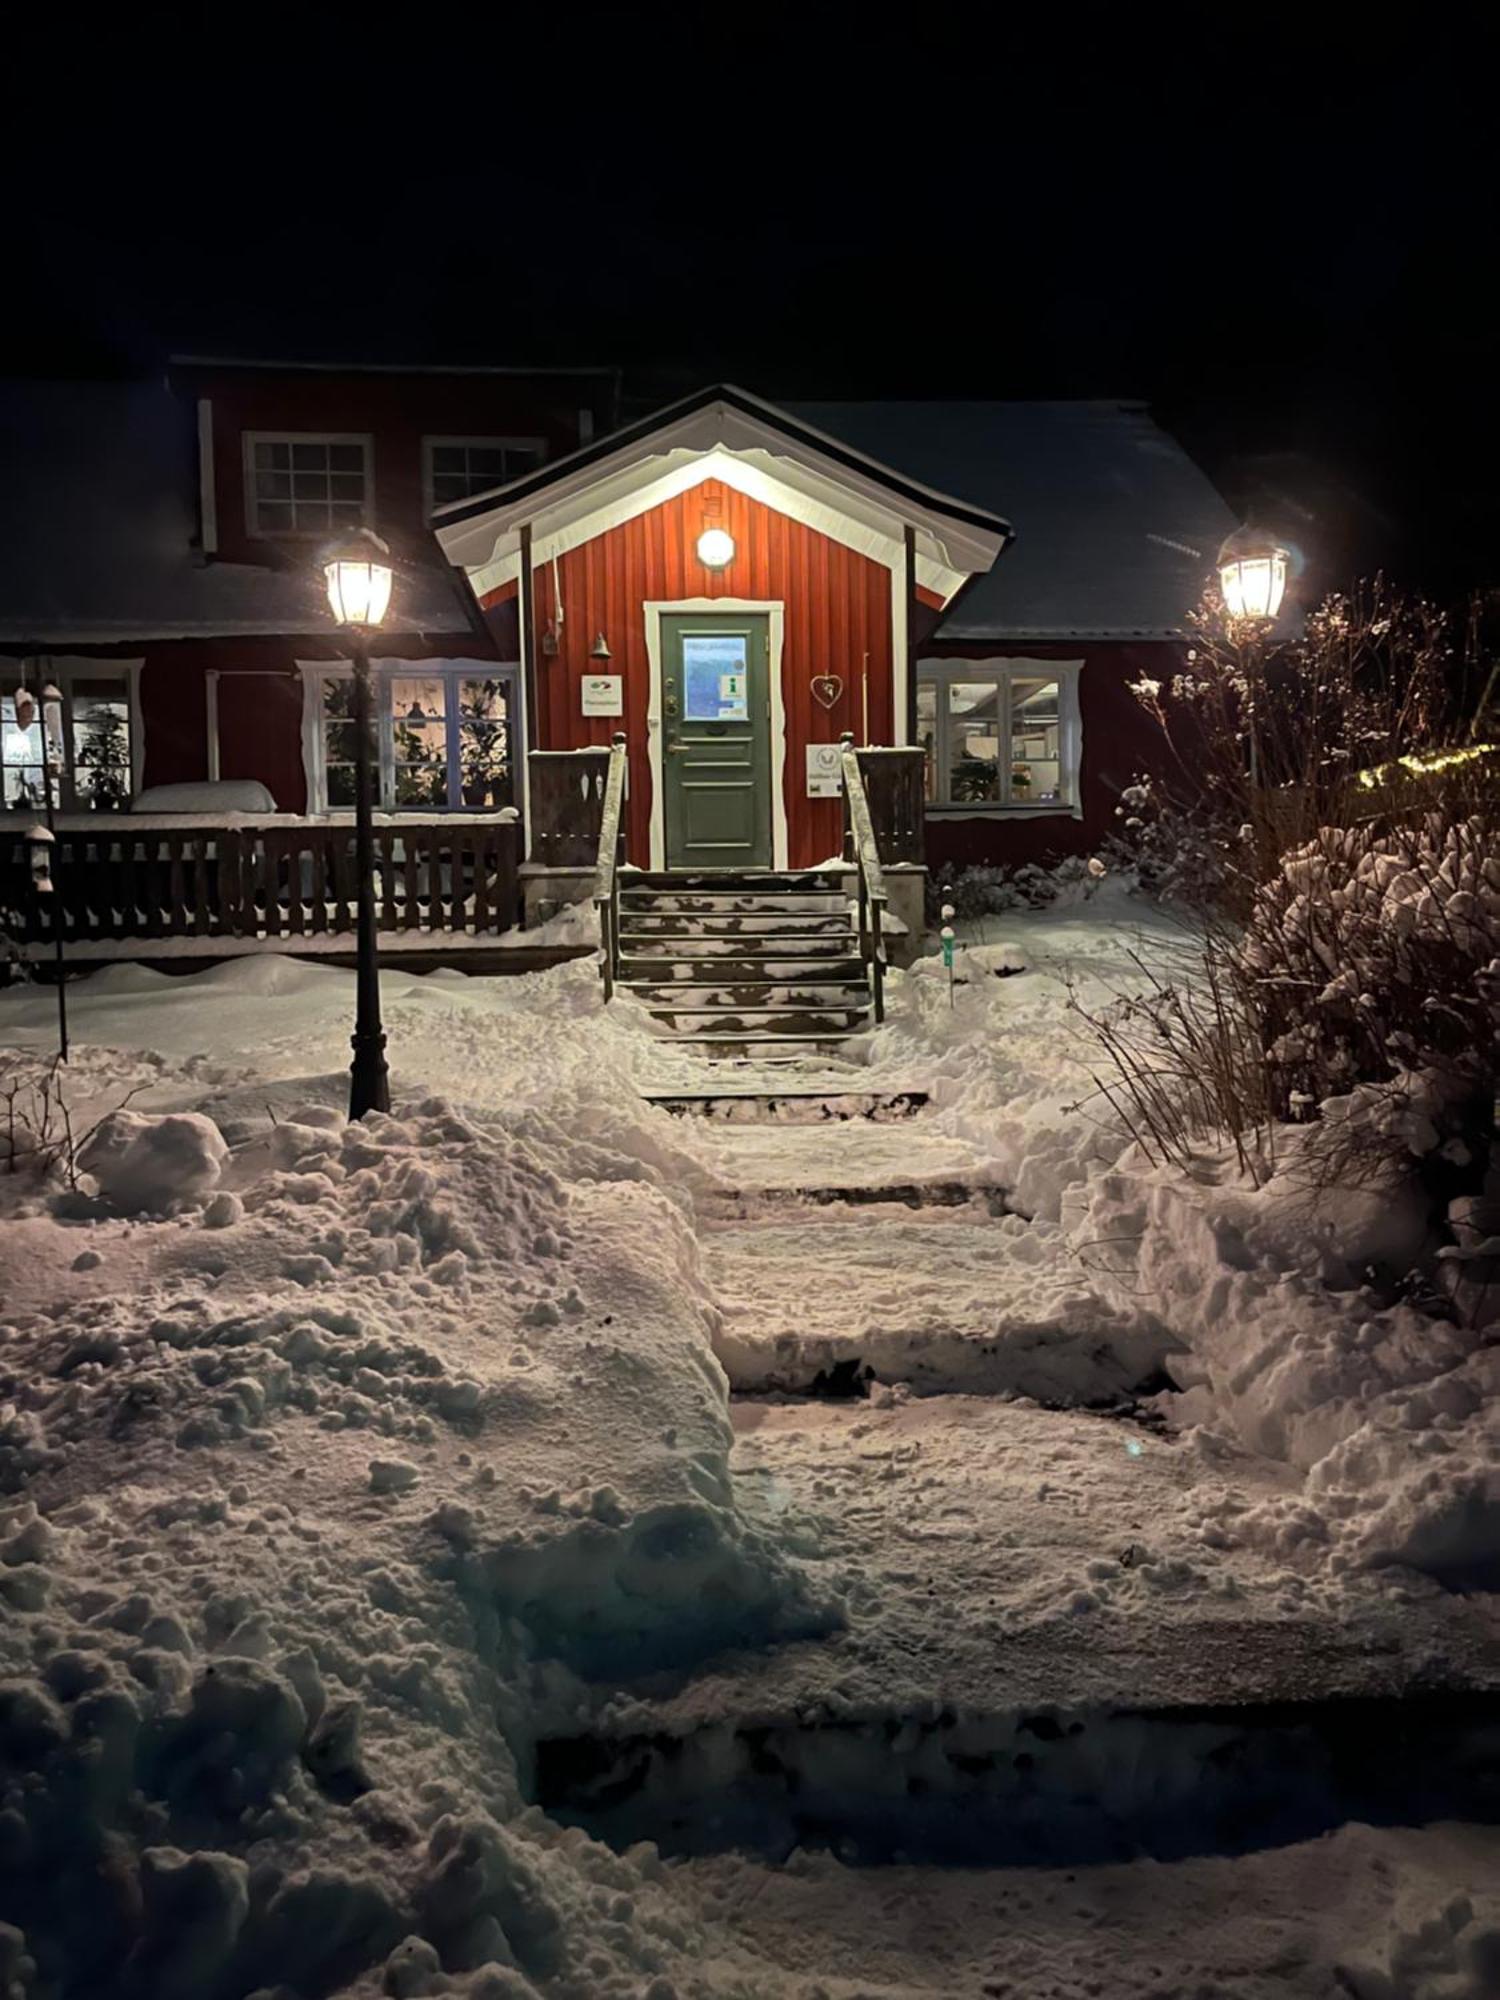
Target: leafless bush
[[1264, 742], [36, 1120], [1340, 846]]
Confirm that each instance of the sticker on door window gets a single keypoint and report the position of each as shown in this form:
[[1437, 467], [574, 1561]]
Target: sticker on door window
[[715, 677]]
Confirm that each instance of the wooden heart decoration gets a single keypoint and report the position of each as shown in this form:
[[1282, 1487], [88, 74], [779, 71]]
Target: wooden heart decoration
[[826, 689]]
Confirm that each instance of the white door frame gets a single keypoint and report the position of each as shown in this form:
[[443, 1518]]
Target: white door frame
[[775, 611]]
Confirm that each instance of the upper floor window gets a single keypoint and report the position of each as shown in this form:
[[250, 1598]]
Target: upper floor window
[[302, 484], [1000, 733], [101, 738], [456, 468]]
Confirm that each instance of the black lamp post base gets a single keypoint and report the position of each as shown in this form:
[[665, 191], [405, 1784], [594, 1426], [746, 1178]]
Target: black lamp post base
[[369, 1078]]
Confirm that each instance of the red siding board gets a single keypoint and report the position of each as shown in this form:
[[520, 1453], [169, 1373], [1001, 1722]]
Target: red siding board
[[837, 609]]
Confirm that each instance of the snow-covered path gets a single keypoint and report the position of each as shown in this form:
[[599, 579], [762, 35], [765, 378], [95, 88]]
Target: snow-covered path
[[952, 1481], [364, 1506]]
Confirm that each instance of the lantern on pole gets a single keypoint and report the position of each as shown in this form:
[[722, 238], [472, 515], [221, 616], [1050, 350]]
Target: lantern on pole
[[40, 841], [1252, 575], [358, 576]]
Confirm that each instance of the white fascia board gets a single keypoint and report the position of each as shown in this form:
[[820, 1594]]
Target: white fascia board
[[727, 437], [800, 493]]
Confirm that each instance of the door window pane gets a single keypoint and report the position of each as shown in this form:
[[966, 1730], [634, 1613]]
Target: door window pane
[[715, 677], [1035, 742], [973, 741]]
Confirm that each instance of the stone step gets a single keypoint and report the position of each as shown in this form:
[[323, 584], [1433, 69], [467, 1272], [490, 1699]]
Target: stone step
[[768, 881], [835, 948], [736, 992], [793, 1102], [787, 1017], [635, 924], [765, 1051], [719, 903], [738, 969]]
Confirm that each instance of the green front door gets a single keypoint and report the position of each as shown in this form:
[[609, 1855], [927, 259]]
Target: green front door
[[716, 739]]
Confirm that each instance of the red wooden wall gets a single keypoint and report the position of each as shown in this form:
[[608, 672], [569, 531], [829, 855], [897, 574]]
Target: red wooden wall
[[837, 621]]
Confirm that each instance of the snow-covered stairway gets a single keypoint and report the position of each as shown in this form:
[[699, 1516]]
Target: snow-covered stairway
[[728, 960]]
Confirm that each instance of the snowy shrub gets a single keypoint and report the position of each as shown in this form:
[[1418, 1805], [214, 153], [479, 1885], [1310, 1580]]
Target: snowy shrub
[[1376, 955], [1266, 741], [986, 890], [1361, 1001]]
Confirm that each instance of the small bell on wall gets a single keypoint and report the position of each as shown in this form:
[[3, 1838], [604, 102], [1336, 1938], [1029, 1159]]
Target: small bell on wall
[[600, 649]]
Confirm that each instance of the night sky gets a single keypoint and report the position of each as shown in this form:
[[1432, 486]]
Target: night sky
[[1280, 231]]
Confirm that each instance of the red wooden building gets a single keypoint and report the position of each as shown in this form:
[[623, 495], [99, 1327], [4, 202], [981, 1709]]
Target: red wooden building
[[731, 584]]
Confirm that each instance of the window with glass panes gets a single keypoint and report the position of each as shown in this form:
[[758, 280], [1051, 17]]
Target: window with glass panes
[[999, 733], [443, 738], [457, 468], [97, 773], [305, 485]]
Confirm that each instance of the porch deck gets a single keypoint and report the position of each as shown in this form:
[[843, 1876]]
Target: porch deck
[[201, 886]]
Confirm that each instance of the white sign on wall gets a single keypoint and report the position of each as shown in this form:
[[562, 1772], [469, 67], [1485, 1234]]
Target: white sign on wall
[[604, 694], [824, 771]]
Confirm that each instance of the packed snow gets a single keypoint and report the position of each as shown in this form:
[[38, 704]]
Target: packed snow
[[345, 1468]]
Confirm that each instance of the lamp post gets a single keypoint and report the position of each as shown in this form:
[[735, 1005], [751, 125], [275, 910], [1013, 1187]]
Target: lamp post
[[1252, 582], [42, 841], [358, 575]]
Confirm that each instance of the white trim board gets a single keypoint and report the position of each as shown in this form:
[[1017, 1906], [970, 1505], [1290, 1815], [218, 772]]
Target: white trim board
[[723, 430], [775, 610], [816, 503]]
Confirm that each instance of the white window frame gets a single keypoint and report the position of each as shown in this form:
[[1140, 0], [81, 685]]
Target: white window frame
[[250, 439], [1004, 669], [62, 672], [430, 444], [384, 672]]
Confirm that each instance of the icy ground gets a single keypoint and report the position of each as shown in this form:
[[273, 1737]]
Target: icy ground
[[347, 1473]]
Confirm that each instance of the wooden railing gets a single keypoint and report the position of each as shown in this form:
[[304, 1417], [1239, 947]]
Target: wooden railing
[[896, 792], [862, 848], [609, 854], [567, 805], [119, 877]]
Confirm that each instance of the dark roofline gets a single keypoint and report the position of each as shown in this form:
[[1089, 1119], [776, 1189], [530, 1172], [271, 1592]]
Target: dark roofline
[[384, 367], [747, 405]]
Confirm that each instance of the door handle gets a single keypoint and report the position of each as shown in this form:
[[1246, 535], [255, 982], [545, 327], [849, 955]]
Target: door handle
[[677, 749]]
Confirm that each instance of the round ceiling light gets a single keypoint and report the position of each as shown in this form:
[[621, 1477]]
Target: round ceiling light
[[716, 548]]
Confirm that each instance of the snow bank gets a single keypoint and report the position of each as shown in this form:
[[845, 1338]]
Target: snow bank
[[316, 1514], [141, 1163]]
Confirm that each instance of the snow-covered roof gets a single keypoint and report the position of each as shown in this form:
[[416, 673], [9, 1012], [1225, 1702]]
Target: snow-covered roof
[[725, 433], [1116, 528], [98, 510]]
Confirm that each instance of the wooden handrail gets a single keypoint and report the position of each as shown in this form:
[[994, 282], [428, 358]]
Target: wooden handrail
[[606, 872], [870, 876]]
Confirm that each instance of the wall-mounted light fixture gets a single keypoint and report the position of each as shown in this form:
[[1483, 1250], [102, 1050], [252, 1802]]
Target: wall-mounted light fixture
[[716, 548]]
